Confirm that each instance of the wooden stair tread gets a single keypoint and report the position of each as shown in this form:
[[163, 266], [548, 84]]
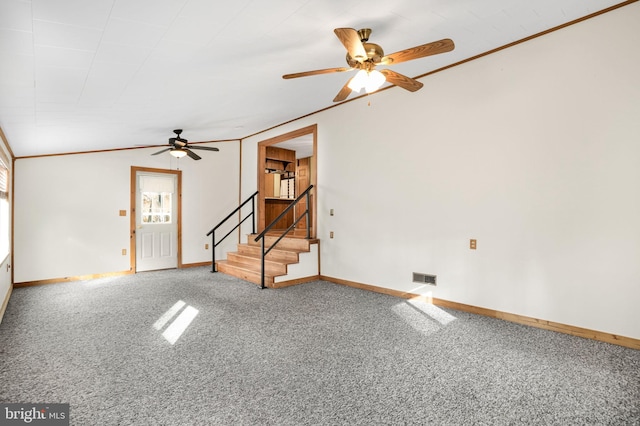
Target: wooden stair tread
[[267, 260], [298, 236], [275, 254], [247, 267], [254, 263], [277, 250], [287, 243]]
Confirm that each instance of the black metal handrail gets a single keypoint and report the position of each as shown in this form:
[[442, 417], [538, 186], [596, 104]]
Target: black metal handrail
[[213, 230], [261, 236]]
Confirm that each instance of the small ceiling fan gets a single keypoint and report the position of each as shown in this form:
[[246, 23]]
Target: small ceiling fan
[[179, 147], [365, 56]]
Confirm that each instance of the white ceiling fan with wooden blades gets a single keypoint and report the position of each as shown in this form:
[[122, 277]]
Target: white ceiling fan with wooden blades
[[364, 57], [179, 147]]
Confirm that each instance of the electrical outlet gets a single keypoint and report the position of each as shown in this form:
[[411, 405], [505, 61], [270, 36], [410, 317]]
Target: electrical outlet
[[124, 252], [331, 212], [331, 234], [206, 246], [472, 244]]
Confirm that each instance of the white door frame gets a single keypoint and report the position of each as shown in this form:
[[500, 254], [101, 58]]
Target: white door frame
[[132, 215]]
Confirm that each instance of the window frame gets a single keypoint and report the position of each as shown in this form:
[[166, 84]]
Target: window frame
[[160, 211]]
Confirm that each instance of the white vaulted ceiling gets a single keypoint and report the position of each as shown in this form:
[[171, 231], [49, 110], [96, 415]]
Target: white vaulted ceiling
[[82, 75]]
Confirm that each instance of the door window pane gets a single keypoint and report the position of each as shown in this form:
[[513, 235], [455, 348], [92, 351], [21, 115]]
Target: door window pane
[[156, 207]]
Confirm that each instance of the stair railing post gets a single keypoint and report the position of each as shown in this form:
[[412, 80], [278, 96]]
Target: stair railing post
[[213, 252], [253, 213], [262, 263], [307, 216]]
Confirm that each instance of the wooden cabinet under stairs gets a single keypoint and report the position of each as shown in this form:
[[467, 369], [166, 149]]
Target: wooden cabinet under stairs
[[245, 263]]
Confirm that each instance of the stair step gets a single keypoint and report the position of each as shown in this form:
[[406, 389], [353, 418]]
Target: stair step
[[276, 255], [254, 262], [244, 273], [301, 244]]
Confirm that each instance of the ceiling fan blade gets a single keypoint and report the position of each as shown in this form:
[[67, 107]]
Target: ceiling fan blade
[[316, 72], [402, 80], [207, 148], [160, 152], [351, 41], [344, 92], [433, 48], [192, 154]]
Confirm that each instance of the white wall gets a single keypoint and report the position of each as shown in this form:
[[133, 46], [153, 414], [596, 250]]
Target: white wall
[[67, 219], [534, 151]]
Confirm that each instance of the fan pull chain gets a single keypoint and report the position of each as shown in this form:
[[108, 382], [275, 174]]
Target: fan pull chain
[[177, 162]]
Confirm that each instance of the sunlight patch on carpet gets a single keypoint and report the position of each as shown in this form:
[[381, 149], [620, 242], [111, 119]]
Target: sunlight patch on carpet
[[423, 317], [171, 312], [431, 310], [179, 325]]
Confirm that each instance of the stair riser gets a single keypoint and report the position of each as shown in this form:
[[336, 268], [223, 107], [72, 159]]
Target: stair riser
[[272, 268], [285, 243], [244, 275], [274, 255]]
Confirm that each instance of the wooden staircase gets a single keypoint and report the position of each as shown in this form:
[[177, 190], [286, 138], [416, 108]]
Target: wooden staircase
[[246, 262]]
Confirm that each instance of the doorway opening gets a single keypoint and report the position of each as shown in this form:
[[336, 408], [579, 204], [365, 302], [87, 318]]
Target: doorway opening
[[287, 165]]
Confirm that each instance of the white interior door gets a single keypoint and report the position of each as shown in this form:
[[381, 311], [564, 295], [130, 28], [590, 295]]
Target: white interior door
[[156, 221]]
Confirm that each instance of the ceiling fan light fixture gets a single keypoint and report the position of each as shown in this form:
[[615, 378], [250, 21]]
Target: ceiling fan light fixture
[[370, 81], [375, 80], [358, 82], [178, 153]]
